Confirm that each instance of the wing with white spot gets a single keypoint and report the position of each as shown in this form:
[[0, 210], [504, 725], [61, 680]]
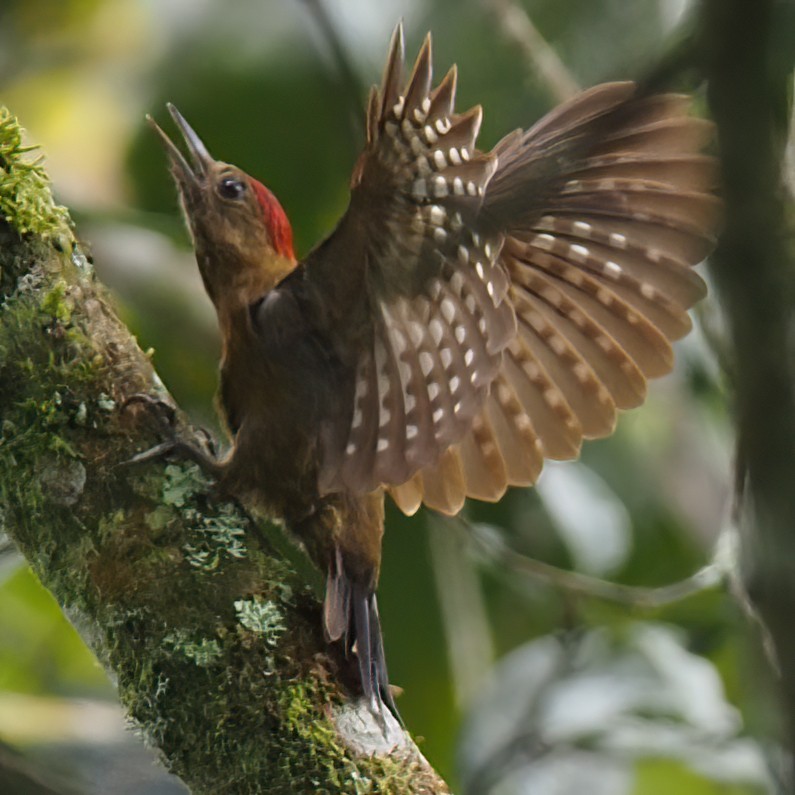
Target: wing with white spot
[[604, 205], [417, 284], [494, 309]]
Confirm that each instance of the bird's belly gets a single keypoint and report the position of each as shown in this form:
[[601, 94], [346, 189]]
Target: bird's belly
[[276, 427]]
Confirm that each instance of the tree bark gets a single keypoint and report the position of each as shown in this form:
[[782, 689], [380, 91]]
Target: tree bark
[[212, 637]]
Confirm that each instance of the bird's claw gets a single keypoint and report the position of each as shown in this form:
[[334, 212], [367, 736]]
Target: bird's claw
[[158, 451], [166, 416], [164, 412]]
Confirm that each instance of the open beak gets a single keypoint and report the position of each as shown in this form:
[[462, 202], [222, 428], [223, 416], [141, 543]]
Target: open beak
[[188, 174]]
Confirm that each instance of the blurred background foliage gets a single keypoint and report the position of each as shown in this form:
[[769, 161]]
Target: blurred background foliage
[[513, 685]]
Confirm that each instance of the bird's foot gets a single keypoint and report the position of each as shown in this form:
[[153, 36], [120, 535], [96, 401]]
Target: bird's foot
[[165, 416]]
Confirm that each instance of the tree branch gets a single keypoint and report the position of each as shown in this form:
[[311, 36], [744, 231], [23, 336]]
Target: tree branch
[[350, 85], [213, 639], [541, 59], [750, 65], [490, 545]]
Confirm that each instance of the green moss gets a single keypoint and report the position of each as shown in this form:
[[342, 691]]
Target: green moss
[[298, 703], [42, 382], [55, 305], [26, 201], [298, 700], [45, 357]]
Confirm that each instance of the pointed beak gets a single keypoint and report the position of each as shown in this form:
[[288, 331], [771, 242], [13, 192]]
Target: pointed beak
[[188, 174]]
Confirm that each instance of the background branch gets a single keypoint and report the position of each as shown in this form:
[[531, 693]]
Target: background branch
[[464, 617], [489, 544], [350, 85], [541, 59], [750, 73]]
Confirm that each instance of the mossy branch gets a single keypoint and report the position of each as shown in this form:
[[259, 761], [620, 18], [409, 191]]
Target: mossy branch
[[213, 639]]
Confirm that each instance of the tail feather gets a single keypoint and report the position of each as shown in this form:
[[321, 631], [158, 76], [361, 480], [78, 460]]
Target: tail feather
[[350, 616], [379, 658], [337, 604]]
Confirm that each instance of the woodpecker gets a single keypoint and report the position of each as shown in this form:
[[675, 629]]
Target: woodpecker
[[473, 313]]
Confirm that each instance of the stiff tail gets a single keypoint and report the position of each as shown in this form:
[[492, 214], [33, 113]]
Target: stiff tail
[[350, 615]]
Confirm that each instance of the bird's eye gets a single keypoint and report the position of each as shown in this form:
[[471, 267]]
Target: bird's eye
[[231, 188]]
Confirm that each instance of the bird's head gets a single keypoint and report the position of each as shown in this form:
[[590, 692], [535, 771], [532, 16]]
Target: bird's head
[[241, 234]]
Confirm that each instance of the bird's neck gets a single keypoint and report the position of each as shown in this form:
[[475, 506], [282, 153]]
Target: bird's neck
[[235, 288]]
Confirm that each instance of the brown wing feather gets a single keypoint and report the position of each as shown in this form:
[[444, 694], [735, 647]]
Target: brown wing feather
[[517, 298], [598, 250], [434, 289], [444, 488]]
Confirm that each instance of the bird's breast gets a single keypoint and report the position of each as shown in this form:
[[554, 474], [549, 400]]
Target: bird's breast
[[278, 392]]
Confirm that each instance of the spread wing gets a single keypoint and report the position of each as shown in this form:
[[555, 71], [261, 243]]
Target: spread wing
[[504, 306], [417, 282]]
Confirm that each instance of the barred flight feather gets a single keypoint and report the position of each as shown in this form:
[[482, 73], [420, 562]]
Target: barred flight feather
[[436, 286], [521, 297], [485, 474]]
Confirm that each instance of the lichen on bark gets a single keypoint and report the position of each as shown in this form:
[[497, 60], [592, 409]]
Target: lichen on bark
[[212, 637]]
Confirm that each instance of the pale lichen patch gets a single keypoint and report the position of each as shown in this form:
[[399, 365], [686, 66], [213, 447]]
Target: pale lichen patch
[[203, 652], [105, 403], [215, 538], [160, 518], [262, 616], [181, 482]]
